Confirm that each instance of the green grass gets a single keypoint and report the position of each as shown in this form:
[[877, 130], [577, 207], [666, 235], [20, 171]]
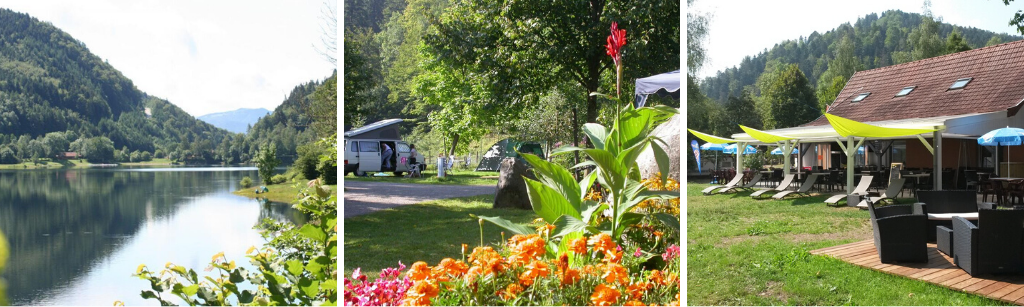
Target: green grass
[[282, 192], [162, 161], [429, 232], [47, 163], [755, 252], [457, 177]]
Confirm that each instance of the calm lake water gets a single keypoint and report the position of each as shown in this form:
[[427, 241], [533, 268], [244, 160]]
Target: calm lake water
[[77, 236]]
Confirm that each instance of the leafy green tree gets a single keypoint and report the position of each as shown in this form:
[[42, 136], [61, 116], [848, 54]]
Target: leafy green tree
[[995, 40], [696, 35], [98, 150], [786, 98], [925, 39], [955, 42], [56, 143], [743, 111], [521, 49], [7, 156], [266, 160], [1018, 18], [828, 91], [324, 107]]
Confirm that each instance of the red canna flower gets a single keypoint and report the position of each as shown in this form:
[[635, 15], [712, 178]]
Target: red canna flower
[[615, 42]]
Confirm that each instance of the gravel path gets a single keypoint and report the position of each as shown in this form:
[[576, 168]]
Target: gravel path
[[362, 197]]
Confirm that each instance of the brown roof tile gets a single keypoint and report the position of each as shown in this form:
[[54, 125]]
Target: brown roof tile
[[997, 84]]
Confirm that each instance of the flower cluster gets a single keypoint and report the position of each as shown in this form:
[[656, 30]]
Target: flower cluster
[[388, 290]]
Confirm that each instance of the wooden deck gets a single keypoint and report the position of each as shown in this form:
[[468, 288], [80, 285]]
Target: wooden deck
[[939, 270]]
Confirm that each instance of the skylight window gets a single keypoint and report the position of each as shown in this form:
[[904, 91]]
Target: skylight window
[[905, 91], [959, 84], [861, 97]]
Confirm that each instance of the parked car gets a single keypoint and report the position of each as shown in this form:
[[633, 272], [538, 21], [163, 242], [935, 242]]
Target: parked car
[[364, 155]]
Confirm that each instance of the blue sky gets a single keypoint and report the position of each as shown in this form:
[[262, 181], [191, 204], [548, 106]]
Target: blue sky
[[204, 56], [745, 27]]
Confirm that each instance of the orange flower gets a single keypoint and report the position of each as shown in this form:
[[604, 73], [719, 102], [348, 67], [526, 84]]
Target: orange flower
[[449, 267], [612, 257], [603, 243], [562, 262], [535, 269], [569, 276], [657, 277], [488, 259], [615, 273], [419, 271], [671, 279], [634, 303], [510, 292], [420, 294], [472, 274], [604, 295], [589, 269], [578, 246], [525, 248], [637, 290]]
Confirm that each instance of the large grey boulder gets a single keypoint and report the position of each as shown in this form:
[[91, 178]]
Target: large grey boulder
[[511, 191], [669, 131]]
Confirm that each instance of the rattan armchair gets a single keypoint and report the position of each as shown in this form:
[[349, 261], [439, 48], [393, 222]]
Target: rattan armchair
[[899, 232], [993, 245]]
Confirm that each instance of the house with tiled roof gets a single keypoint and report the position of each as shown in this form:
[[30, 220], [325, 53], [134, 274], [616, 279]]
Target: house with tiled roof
[[962, 95]]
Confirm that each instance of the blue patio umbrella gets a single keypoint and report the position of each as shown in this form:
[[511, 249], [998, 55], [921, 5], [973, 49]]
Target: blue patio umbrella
[[1002, 136], [731, 149], [714, 147], [778, 151]]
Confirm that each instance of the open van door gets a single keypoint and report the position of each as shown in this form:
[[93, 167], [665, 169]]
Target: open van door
[[369, 156]]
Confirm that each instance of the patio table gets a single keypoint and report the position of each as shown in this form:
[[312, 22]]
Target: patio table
[[1001, 190]]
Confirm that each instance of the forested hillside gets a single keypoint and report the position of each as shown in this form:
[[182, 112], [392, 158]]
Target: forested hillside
[[56, 96], [54, 92], [875, 41]]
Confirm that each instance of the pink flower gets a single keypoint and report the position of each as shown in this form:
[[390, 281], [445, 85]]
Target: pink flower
[[637, 252], [671, 253]]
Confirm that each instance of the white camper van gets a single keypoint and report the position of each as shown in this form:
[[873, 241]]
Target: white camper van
[[364, 150]]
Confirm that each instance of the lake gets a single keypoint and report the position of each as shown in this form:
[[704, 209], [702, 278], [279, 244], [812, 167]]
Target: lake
[[76, 236]]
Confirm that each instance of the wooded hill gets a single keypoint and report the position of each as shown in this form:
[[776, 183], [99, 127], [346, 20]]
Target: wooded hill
[[876, 41], [50, 82], [56, 96]]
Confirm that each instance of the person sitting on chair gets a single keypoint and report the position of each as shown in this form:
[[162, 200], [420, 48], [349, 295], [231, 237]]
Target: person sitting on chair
[[386, 156]]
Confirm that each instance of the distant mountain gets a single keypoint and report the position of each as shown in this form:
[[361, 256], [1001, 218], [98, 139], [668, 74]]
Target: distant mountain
[[237, 121]]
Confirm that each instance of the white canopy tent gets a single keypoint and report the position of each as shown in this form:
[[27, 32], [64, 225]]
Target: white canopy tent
[[664, 85]]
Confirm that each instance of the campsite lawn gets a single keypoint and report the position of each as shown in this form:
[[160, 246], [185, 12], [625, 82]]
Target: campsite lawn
[[457, 177], [428, 231], [755, 252]]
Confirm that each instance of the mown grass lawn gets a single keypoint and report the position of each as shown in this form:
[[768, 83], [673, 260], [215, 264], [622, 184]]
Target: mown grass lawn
[[429, 232], [755, 252], [457, 177], [282, 192]]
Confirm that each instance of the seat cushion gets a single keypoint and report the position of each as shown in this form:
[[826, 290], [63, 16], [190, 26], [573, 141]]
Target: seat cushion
[[949, 216]]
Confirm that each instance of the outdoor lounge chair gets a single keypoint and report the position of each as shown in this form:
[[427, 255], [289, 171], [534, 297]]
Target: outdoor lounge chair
[[735, 182], [786, 181], [804, 188], [942, 206], [861, 190], [899, 233], [895, 186], [749, 186], [993, 246]]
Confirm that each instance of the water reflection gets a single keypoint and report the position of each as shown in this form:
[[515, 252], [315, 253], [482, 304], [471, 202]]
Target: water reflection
[[77, 235]]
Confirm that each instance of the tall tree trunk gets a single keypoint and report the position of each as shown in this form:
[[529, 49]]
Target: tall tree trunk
[[575, 139], [455, 142]]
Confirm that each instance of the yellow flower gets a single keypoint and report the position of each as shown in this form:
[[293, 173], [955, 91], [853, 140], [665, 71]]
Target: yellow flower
[[251, 248], [218, 255], [167, 265], [118, 303], [139, 270]]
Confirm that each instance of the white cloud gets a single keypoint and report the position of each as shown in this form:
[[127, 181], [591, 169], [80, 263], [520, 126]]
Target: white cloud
[[204, 56]]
